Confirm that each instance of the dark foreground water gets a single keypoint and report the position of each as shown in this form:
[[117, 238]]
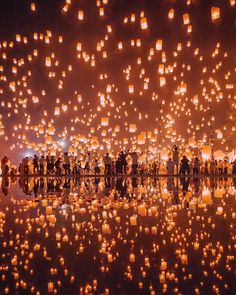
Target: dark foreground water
[[118, 236]]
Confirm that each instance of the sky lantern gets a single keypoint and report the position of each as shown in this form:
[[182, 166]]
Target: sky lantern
[[48, 139], [33, 6], [143, 23], [65, 8], [162, 81], [215, 13], [48, 61], [171, 14], [219, 134], [132, 18], [104, 121], [120, 45], [101, 11], [131, 88], [141, 139], [206, 152], [80, 14], [18, 38], [79, 46], [159, 44], [132, 128], [186, 19]]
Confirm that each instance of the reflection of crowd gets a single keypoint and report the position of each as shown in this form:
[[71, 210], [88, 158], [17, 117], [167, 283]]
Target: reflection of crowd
[[125, 163], [183, 190]]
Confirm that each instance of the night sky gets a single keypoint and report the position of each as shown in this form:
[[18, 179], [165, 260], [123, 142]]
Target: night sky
[[95, 61]]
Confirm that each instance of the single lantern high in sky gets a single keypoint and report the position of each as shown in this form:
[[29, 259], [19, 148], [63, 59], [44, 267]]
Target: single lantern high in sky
[[105, 75]]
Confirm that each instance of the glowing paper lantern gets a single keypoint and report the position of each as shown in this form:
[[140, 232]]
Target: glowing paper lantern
[[219, 134], [141, 139], [143, 23], [219, 211], [132, 128], [32, 6], [133, 220], [106, 229], [171, 14], [131, 88], [206, 196], [159, 44], [215, 13], [142, 210], [186, 19], [105, 121], [162, 81], [80, 15], [48, 61], [206, 152]]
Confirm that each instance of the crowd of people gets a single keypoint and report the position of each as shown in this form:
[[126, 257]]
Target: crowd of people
[[125, 163]]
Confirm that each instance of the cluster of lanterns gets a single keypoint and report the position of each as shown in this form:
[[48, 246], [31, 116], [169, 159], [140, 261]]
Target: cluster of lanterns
[[118, 88], [145, 238]]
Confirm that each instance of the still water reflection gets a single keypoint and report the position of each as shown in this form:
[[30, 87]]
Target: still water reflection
[[117, 236]]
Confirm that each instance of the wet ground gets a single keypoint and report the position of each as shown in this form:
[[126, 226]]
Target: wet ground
[[118, 235]]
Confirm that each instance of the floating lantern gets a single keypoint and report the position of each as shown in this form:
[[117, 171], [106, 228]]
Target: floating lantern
[[186, 19], [133, 220], [131, 88], [142, 210], [105, 121], [143, 23], [215, 13], [171, 14], [80, 14], [132, 128], [48, 61], [159, 45]]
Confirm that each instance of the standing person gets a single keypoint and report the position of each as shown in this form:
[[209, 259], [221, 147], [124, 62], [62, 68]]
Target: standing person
[[196, 166], [26, 165], [134, 158], [52, 164], [220, 167], [225, 167], [154, 168], [184, 167], [175, 151], [48, 164], [206, 170], [74, 165], [87, 168], [5, 165], [45, 166], [67, 163], [216, 167], [170, 167], [87, 163], [96, 167], [107, 163], [36, 164], [41, 162], [113, 168], [234, 167], [212, 167], [58, 166], [118, 166], [123, 162]]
